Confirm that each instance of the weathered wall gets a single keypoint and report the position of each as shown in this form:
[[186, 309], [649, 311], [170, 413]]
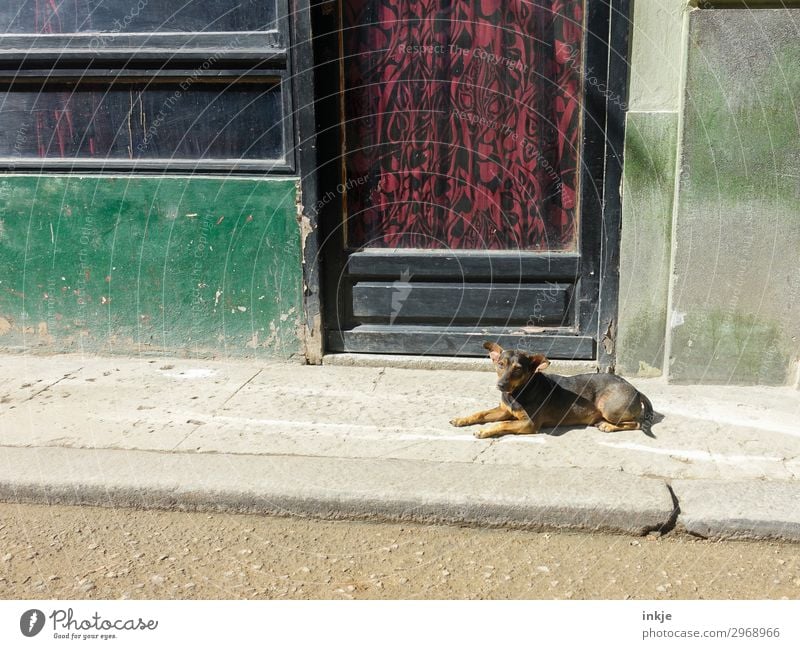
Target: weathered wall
[[651, 140], [130, 264], [649, 183], [656, 55], [736, 277]]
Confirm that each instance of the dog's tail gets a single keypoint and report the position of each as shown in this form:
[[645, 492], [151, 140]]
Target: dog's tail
[[647, 416]]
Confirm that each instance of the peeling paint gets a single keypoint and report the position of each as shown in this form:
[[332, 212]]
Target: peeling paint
[[678, 318], [306, 230], [302, 220], [648, 371], [310, 333], [312, 344]]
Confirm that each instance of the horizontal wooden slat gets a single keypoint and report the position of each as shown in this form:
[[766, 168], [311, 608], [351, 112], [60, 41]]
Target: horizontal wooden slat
[[117, 164], [183, 44], [455, 341], [474, 304], [468, 265]]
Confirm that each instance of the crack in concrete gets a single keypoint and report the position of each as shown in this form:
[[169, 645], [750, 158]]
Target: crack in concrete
[[377, 380], [235, 392], [188, 435], [672, 521], [215, 411], [484, 449], [52, 385]]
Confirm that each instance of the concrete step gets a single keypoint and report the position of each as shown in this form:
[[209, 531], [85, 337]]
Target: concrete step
[[381, 436]]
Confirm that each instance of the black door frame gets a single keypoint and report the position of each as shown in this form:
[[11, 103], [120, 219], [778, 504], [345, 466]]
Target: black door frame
[[604, 106]]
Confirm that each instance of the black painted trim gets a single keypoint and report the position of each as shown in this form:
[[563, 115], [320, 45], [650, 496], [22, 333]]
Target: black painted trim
[[592, 163], [43, 165], [455, 341], [618, 70], [466, 265], [328, 209], [62, 50], [43, 59]]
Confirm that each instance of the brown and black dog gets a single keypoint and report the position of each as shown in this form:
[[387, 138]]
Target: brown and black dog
[[531, 400]]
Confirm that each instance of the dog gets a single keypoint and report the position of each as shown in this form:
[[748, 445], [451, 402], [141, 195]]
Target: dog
[[531, 400]]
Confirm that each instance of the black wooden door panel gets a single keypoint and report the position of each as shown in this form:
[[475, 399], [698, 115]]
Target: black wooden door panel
[[478, 304], [456, 341], [477, 265]]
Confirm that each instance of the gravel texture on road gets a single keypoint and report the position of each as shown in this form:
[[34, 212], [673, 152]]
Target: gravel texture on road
[[58, 552]]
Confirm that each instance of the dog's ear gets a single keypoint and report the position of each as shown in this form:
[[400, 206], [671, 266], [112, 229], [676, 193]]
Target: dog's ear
[[494, 350], [539, 362]]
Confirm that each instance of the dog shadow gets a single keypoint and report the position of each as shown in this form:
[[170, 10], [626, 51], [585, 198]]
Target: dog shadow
[[647, 427]]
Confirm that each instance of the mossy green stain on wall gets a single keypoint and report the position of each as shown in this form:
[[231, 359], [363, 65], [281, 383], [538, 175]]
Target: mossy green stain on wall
[[719, 347], [648, 188], [194, 265], [742, 126], [736, 283]]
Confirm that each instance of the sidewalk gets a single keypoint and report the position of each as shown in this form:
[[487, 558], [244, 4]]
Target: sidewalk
[[374, 442]]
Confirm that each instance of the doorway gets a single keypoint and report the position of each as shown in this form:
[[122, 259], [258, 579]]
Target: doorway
[[478, 150]]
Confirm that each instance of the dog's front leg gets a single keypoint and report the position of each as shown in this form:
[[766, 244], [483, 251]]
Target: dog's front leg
[[524, 426], [483, 417]]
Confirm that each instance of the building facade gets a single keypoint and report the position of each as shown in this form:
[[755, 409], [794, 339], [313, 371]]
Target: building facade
[[611, 182]]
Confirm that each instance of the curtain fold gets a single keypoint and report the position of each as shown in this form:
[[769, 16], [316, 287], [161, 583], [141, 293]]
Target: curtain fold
[[463, 123]]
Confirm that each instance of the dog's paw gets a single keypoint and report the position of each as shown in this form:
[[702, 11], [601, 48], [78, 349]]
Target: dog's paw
[[458, 422], [606, 427], [483, 433]]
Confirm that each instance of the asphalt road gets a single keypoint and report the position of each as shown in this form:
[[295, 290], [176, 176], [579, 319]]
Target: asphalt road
[[88, 553]]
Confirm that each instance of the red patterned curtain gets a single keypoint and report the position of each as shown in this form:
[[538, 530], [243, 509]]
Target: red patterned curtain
[[463, 123]]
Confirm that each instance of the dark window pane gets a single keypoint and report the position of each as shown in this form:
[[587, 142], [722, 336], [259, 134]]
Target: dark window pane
[[123, 16], [201, 121]]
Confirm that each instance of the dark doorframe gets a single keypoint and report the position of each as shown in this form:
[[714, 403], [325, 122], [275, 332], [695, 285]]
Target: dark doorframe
[[620, 20], [305, 48], [605, 96]]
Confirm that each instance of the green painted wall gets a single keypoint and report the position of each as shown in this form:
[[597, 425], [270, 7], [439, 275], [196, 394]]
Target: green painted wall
[[191, 265], [736, 277]]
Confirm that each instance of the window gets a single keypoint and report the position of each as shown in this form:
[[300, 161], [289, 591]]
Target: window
[[145, 84]]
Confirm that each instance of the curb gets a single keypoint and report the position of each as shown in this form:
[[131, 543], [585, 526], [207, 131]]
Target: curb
[[339, 488], [716, 509]]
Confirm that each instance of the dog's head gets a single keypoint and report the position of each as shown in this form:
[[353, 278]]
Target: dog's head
[[514, 368]]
